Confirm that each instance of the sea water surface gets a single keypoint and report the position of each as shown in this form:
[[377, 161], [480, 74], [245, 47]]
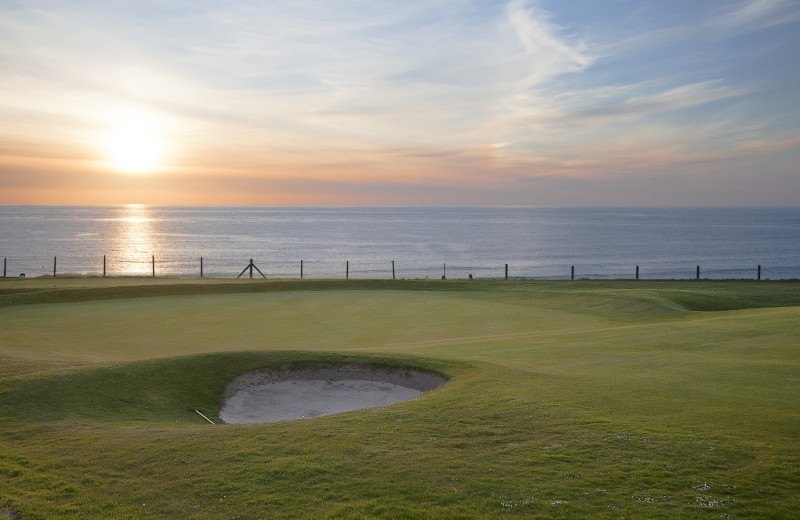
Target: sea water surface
[[362, 242]]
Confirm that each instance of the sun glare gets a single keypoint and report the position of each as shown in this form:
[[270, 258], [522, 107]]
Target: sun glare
[[135, 143]]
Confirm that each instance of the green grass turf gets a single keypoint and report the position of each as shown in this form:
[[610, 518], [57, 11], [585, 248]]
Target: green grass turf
[[600, 399]]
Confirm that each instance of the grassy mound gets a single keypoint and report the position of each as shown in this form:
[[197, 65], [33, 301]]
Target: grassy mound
[[165, 391]]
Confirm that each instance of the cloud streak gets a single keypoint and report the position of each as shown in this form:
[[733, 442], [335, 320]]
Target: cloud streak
[[753, 15], [547, 53], [674, 99]]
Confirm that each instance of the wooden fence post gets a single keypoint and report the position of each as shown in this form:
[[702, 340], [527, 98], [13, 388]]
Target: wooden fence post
[[393, 278], [572, 273], [301, 269], [104, 266], [698, 273], [54, 266], [347, 271], [4, 266], [637, 272], [506, 271], [201, 267], [759, 271], [444, 271], [154, 266]]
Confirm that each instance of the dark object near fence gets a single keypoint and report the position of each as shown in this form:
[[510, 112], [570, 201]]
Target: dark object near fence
[[251, 266], [572, 273]]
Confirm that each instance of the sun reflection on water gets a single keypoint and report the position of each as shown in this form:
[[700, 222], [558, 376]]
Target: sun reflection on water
[[135, 240]]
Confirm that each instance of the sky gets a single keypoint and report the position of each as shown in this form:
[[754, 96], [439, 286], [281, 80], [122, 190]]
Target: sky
[[370, 102]]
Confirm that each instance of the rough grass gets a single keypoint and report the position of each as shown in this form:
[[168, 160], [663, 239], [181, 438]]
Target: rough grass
[[601, 399]]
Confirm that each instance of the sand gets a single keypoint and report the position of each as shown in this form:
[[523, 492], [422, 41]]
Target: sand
[[291, 392]]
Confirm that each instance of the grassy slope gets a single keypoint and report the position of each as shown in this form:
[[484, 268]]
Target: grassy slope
[[605, 399]]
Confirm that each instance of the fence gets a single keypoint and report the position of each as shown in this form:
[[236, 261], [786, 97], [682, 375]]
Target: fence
[[376, 270]]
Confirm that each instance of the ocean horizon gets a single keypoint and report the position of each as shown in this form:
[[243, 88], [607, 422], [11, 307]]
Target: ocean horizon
[[401, 241]]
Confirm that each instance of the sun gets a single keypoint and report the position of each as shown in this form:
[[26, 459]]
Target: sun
[[135, 143]]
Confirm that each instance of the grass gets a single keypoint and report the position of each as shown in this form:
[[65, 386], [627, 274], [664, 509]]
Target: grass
[[600, 399]]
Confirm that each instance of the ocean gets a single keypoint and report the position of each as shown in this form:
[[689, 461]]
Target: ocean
[[364, 242]]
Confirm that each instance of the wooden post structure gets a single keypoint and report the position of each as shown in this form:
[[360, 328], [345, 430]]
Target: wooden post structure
[[251, 266], [54, 266], [347, 271], [637, 272], [393, 278], [759, 272], [154, 266], [4, 266], [572, 273], [301, 269], [444, 271], [104, 266], [201, 267], [697, 276], [506, 271]]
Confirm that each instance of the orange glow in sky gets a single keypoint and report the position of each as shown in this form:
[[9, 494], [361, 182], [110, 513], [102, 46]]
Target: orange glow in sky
[[419, 103]]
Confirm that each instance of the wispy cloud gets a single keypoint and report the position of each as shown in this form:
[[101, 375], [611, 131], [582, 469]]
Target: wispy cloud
[[547, 53], [678, 98], [752, 15]]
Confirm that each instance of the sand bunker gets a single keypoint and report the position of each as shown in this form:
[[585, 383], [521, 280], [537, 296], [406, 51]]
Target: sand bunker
[[291, 392]]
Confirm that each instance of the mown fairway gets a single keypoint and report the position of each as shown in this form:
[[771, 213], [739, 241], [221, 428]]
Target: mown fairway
[[567, 400]]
